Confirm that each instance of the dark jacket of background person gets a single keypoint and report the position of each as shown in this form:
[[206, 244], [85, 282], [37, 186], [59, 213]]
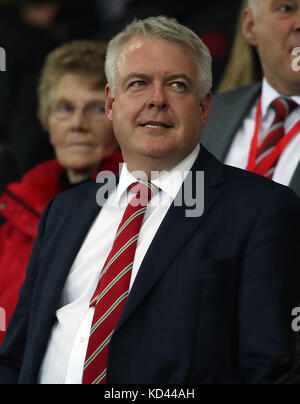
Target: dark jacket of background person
[[21, 206]]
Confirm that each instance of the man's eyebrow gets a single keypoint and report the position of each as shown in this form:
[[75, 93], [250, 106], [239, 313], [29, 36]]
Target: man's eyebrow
[[274, 3], [131, 76]]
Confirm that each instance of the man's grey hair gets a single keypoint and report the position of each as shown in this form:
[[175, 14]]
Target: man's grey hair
[[252, 4], [163, 28]]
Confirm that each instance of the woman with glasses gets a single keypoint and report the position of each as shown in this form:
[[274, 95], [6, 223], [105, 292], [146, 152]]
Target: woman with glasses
[[72, 110]]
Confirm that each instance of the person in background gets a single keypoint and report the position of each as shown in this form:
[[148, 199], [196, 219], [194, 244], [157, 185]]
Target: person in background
[[258, 127], [243, 67], [121, 291], [72, 109]]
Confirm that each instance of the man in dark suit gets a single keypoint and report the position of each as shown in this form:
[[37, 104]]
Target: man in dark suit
[[237, 117], [209, 295]]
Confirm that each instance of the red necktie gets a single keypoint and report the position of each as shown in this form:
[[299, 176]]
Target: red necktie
[[113, 287], [283, 108]]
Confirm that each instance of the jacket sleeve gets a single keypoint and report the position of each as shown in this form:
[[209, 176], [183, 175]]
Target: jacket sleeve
[[13, 347], [269, 286]]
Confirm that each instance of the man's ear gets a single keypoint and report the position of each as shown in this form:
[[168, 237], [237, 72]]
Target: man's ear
[[248, 27], [205, 107], [109, 102]]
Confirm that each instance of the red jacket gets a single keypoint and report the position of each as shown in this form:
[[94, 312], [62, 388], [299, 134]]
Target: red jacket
[[21, 205]]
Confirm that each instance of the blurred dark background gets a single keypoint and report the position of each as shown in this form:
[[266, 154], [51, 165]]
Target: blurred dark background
[[29, 29]]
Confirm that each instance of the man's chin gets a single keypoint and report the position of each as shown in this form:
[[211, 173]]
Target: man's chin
[[156, 154]]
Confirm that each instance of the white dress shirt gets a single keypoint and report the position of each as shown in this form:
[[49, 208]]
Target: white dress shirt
[[65, 354], [240, 149]]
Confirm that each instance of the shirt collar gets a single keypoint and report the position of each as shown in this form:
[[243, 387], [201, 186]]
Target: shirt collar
[[169, 182], [269, 94]]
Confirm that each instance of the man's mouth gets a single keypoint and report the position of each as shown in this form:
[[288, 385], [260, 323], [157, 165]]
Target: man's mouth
[[156, 125]]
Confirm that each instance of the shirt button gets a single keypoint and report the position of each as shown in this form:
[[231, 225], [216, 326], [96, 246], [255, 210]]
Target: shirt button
[[82, 340], [2, 206]]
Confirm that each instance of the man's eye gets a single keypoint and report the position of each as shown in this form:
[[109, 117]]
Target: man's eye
[[179, 85], [137, 84], [285, 8]]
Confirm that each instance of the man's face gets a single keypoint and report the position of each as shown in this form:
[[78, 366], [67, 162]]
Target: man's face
[[156, 109], [274, 28]]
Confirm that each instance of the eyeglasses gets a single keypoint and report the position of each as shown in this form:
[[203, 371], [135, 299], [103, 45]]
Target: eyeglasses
[[65, 110]]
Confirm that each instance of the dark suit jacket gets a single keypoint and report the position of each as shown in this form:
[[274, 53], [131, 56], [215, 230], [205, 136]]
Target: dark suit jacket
[[227, 115], [213, 297]]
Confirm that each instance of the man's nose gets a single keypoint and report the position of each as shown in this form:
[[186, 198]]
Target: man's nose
[[158, 98], [297, 21]]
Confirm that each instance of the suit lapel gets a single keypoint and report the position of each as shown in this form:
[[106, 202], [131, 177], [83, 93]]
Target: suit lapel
[[227, 119], [83, 214], [73, 229], [160, 255], [295, 183]]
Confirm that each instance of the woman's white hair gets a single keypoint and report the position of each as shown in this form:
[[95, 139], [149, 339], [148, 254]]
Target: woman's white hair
[[163, 28]]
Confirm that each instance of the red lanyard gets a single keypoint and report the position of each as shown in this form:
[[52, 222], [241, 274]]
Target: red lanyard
[[274, 155]]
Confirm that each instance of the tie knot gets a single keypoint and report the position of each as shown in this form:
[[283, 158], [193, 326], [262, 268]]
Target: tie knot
[[283, 107], [143, 191]]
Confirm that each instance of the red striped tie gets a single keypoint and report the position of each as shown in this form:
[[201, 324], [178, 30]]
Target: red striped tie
[[113, 287], [283, 108]]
